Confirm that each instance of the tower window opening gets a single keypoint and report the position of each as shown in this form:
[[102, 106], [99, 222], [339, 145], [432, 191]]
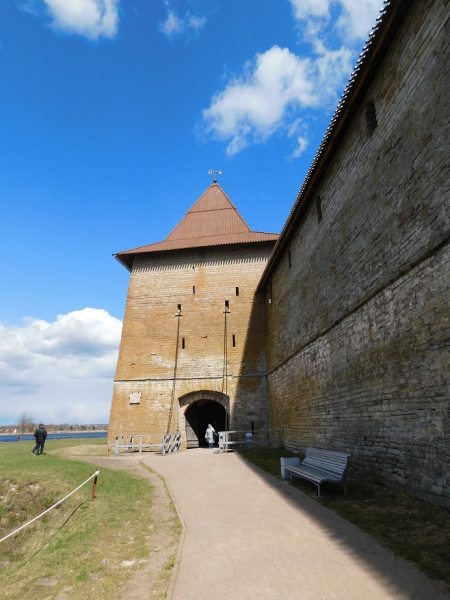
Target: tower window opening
[[234, 341], [371, 118], [227, 304], [193, 289], [237, 291], [179, 306], [183, 343], [319, 208]]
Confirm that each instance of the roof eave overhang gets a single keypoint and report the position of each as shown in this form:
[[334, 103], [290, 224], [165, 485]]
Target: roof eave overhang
[[363, 75], [127, 259]]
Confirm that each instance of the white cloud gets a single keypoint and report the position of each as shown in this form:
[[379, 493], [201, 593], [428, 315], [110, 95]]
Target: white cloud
[[355, 19], [258, 98], [358, 17], [303, 9], [332, 68], [172, 25], [61, 371], [298, 131], [175, 26], [89, 18], [302, 144], [277, 83], [196, 23]]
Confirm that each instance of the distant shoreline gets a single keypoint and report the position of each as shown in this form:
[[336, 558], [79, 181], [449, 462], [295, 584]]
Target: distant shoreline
[[63, 431]]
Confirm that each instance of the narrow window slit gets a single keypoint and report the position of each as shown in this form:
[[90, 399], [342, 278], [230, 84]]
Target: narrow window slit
[[319, 208], [237, 291], [234, 341], [371, 118], [183, 343], [193, 289]]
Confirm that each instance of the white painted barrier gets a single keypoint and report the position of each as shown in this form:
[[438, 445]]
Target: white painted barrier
[[171, 443], [249, 439], [154, 442]]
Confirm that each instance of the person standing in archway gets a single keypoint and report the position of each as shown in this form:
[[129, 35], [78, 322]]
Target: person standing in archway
[[209, 435]]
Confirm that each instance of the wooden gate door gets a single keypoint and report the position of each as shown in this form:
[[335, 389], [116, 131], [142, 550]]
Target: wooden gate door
[[192, 426]]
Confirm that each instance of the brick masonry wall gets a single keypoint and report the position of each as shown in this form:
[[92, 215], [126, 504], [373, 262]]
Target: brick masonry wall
[[358, 327], [158, 284]]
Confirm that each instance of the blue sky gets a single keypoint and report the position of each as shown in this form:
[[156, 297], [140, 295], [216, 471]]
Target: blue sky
[[111, 114]]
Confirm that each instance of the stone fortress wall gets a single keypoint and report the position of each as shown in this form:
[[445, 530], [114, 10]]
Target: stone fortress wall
[[359, 319]]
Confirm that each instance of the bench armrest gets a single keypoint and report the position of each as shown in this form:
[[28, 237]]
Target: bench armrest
[[292, 461]]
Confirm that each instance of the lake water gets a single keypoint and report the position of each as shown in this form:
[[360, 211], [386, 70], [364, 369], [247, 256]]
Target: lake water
[[29, 437]]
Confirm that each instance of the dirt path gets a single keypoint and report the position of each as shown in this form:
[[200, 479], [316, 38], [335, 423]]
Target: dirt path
[[153, 578]]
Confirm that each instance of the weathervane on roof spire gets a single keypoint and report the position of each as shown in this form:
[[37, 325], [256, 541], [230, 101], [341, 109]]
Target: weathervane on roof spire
[[215, 173]]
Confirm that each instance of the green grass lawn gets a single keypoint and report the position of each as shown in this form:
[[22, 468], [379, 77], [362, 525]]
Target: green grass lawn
[[414, 530], [83, 542]]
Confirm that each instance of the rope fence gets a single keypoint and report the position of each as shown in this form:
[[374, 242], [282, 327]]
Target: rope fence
[[57, 503]]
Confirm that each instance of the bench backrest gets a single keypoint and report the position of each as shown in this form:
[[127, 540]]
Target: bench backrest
[[327, 460]]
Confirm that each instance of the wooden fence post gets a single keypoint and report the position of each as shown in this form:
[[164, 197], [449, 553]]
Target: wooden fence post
[[95, 484]]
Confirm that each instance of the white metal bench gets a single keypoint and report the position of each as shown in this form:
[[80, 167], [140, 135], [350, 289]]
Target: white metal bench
[[318, 466]]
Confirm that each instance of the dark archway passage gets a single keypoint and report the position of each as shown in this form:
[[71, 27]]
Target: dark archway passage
[[198, 416]]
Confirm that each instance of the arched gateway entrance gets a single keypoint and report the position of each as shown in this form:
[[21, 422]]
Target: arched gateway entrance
[[202, 409]]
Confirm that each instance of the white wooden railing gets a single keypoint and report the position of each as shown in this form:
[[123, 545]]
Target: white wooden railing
[[152, 442], [249, 439]]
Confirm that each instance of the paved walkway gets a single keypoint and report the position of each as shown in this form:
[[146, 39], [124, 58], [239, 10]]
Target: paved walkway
[[250, 537]]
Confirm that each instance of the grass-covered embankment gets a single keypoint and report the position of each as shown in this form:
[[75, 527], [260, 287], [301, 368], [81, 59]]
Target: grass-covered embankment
[[414, 530], [81, 544]]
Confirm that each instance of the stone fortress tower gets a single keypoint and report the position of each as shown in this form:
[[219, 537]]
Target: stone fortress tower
[[193, 346]]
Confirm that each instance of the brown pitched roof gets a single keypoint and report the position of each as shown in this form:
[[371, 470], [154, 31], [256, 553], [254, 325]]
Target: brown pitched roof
[[212, 221], [212, 214]]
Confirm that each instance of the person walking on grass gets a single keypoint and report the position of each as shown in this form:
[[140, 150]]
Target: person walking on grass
[[40, 434], [209, 435]]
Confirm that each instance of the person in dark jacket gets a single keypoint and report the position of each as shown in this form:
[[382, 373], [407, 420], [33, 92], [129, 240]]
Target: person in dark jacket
[[40, 434]]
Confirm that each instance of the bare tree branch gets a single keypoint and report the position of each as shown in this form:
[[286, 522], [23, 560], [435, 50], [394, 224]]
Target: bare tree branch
[[25, 422]]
